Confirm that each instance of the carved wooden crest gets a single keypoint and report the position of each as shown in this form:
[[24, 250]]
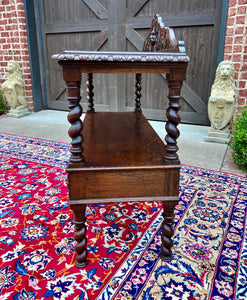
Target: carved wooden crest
[[160, 38]]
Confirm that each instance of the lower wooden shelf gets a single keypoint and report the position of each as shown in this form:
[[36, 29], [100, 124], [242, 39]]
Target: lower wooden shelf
[[123, 162]]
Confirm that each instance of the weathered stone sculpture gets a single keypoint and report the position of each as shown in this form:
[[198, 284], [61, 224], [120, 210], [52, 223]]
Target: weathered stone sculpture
[[221, 103], [13, 91]]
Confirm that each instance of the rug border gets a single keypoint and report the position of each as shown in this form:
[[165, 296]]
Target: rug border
[[36, 138], [185, 165], [223, 172]]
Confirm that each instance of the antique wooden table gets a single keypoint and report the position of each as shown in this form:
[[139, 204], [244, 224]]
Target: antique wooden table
[[117, 156]]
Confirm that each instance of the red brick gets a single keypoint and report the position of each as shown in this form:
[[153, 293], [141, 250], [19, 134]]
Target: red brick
[[20, 2], [244, 67], [242, 93], [3, 21], [232, 3], [4, 64], [4, 34], [239, 30], [227, 57], [242, 84], [7, 15], [8, 58], [238, 40], [240, 2], [14, 40], [237, 67], [23, 46], [28, 81], [229, 31], [23, 33], [24, 40], [228, 49], [26, 65], [30, 101], [28, 87], [20, 6], [25, 52], [17, 52], [11, 27], [243, 75], [236, 58], [230, 21], [22, 20], [21, 13], [14, 14], [241, 102], [6, 46], [23, 27], [12, 21], [5, 2], [231, 11], [25, 58], [237, 49], [241, 10], [31, 108], [29, 93], [229, 40], [245, 58], [16, 46], [240, 20]]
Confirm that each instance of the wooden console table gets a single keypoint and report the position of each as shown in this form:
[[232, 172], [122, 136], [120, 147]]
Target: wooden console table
[[117, 156]]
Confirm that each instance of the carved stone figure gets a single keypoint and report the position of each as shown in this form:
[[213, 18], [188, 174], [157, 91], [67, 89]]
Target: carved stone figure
[[221, 103], [13, 91]]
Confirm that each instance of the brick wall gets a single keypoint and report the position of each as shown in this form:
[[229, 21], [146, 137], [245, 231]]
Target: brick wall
[[13, 43], [236, 49]]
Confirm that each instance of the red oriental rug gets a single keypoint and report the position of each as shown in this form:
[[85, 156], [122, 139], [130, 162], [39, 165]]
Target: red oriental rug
[[37, 246]]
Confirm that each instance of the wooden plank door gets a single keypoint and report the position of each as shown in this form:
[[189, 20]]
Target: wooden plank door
[[197, 23], [122, 25], [70, 25]]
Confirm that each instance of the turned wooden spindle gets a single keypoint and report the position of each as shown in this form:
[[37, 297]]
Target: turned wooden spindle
[[171, 156], [167, 232], [138, 92], [90, 92], [73, 97], [80, 234]]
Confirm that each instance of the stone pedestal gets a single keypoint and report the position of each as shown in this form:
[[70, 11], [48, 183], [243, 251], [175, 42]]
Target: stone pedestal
[[18, 113], [218, 136]]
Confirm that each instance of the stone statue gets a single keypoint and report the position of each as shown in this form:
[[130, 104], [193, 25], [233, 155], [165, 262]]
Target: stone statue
[[221, 103], [13, 91]]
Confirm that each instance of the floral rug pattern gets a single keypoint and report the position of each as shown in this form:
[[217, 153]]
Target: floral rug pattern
[[37, 246]]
